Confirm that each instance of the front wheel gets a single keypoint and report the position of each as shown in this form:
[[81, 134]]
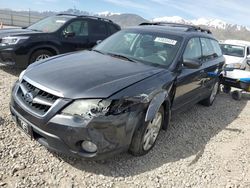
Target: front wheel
[[40, 55], [209, 101], [145, 136]]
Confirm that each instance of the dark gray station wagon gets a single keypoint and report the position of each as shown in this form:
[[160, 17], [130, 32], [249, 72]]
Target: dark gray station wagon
[[118, 96]]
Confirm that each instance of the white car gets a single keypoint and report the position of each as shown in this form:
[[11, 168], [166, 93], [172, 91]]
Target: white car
[[236, 53]]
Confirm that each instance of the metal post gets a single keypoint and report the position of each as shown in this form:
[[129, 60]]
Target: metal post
[[29, 18], [11, 18]]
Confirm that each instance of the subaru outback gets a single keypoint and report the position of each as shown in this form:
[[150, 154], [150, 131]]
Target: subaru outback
[[118, 96]]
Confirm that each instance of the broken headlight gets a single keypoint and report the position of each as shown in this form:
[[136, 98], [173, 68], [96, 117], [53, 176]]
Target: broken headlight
[[88, 108], [96, 107]]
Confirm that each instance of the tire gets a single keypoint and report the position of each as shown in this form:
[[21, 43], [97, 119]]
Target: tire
[[236, 95], [226, 89], [39, 55], [139, 146], [210, 100]]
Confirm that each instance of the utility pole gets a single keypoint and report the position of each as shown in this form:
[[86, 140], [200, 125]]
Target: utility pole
[[29, 17]]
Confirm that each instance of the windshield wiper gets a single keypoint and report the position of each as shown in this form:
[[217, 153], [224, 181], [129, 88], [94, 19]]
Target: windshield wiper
[[35, 30], [98, 51], [122, 57]]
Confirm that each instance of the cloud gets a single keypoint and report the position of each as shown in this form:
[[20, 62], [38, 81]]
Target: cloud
[[229, 10], [127, 3], [42, 2]]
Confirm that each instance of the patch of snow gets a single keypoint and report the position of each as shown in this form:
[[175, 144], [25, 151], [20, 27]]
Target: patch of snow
[[215, 23], [107, 13]]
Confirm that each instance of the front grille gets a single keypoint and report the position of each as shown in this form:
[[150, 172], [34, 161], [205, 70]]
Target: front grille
[[37, 100]]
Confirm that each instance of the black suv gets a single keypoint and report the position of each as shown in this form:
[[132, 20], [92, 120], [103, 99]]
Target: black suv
[[122, 93], [51, 36]]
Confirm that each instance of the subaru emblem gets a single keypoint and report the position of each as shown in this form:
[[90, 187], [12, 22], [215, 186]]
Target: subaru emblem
[[29, 97]]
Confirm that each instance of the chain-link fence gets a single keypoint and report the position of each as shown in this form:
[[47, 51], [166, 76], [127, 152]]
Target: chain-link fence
[[20, 19]]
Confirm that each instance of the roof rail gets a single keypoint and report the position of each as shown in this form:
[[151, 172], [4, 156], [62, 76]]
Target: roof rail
[[65, 14], [86, 16], [189, 27], [96, 17]]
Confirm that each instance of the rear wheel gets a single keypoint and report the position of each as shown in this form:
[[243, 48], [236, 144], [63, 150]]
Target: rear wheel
[[209, 101], [236, 95], [40, 55], [145, 136]]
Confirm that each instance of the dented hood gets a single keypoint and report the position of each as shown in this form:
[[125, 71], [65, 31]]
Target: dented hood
[[88, 74]]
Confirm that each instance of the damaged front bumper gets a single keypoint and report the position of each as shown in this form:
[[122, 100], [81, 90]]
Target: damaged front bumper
[[64, 134]]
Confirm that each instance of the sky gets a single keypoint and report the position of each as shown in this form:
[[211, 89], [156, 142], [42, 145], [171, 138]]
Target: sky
[[231, 11]]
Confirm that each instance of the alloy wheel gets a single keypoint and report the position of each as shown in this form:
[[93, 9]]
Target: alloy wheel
[[152, 131]]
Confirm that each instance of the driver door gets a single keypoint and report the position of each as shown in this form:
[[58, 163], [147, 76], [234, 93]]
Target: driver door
[[75, 36]]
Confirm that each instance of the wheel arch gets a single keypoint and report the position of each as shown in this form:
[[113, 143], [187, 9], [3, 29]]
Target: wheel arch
[[160, 99], [50, 48]]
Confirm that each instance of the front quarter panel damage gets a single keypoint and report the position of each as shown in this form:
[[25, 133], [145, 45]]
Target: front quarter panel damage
[[151, 92], [155, 105]]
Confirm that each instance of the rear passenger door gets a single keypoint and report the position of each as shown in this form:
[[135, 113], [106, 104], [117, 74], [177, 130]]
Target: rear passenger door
[[189, 81], [97, 30], [212, 62]]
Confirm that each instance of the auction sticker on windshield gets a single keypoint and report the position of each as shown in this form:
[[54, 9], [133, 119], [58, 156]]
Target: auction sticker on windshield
[[60, 21], [165, 40]]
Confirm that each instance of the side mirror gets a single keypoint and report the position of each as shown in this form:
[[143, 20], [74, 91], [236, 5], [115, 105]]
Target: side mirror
[[98, 42], [191, 63], [69, 34], [248, 60]]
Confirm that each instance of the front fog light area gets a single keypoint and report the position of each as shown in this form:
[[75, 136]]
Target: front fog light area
[[89, 146]]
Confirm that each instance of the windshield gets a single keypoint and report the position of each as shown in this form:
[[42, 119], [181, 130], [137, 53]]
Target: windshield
[[150, 48], [233, 50], [49, 24]]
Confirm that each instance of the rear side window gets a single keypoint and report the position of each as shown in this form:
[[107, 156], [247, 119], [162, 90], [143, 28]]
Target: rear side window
[[207, 47], [217, 48], [112, 29], [210, 49], [193, 49], [98, 28], [79, 28]]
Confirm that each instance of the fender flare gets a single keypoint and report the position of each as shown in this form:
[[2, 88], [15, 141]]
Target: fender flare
[[155, 105]]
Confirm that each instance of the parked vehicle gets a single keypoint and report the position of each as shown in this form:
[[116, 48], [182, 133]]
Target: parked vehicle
[[52, 36], [236, 53], [118, 96], [237, 79]]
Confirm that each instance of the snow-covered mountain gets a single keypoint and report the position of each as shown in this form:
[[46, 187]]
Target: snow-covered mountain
[[211, 23], [107, 13]]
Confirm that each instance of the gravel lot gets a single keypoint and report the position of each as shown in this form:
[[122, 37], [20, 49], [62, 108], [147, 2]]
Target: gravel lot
[[205, 147]]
